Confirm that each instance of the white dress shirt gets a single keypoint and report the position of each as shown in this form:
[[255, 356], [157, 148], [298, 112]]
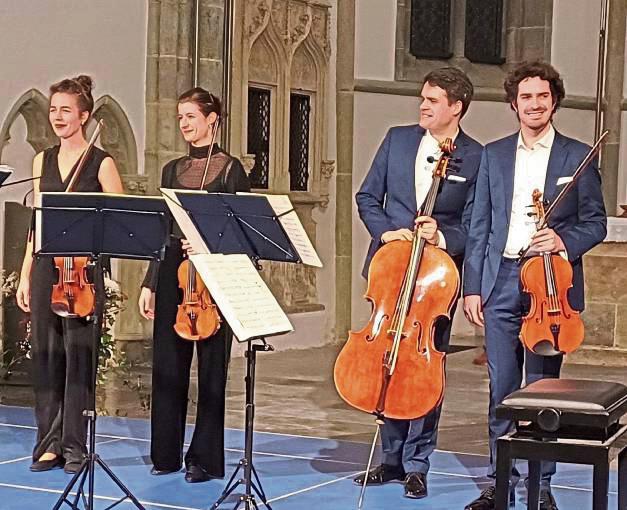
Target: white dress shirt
[[429, 147], [529, 175]]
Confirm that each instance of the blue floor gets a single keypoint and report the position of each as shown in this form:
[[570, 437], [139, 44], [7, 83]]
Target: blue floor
[[297, 473]]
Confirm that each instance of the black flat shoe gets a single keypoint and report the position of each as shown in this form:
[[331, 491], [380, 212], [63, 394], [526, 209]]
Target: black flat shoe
[[195, 474], [73, 467], [158, 472], [46, 465], [487, 500], [381, 474], [416, 485]]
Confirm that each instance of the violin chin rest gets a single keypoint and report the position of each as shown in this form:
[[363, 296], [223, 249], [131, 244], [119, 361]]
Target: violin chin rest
[[545, 348], [62, 310]]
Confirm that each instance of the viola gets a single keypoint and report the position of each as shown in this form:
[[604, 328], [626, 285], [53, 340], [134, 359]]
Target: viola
[[197, 318], [73, 295], [391, 367], [551, 327]]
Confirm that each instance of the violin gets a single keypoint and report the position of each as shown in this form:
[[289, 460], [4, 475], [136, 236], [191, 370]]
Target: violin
[[197, 317], [73, 295], [551, 327], [391, 367]]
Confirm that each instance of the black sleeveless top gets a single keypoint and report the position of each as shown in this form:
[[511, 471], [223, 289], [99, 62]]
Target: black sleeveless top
[[87, 181]]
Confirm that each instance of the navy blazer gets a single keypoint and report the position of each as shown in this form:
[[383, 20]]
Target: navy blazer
[[387, 197], [580, 219]]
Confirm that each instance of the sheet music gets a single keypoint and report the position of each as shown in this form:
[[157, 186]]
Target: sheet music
[[293, 228], [182, 218], [242, 296]]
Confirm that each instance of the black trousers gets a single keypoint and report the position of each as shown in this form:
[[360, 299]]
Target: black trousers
[[62, 369], [172, 359]]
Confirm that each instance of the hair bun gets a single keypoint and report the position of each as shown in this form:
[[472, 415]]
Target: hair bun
[[85, 82]]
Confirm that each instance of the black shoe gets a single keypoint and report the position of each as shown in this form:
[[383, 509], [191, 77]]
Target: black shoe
[[487, 500], [72, 467], [158, 472], [46, 465], [195, 474], [382, 474], [416, 485], [547, 502]]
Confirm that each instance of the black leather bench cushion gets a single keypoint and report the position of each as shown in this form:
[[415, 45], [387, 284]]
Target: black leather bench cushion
[[575, 399]]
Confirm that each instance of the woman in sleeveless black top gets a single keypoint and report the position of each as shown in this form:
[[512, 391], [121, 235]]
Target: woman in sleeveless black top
[[61, 347], [172, 356]]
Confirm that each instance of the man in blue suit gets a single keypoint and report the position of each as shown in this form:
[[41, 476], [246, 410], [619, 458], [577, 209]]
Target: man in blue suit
[[537, 157], [388, 202]]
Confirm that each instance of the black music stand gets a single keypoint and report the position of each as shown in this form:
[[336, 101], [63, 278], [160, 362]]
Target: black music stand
[[247, 224], [95, 225], [242, 224]]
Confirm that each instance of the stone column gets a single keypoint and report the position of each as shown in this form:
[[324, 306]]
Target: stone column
[[168, 73], [615, 65], [210, 46], [345, 83]]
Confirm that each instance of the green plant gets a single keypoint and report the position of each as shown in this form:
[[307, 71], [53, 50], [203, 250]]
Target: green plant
[[114, 304]]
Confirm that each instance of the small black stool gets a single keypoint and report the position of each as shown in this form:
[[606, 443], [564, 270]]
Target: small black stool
[[564, 420]]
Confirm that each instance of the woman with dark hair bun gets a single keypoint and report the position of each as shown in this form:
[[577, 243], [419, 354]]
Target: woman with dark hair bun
[[199, 113], [62, 347]]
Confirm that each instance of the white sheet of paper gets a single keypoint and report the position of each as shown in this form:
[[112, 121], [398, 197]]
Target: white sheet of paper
[[183, 220], [293, 228], [242, 296]]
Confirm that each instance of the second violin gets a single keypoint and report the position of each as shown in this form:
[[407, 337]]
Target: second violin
[[551, 327]]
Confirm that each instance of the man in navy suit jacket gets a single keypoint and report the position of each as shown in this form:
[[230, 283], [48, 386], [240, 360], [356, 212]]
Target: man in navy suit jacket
[[388, 201], [537, 157]]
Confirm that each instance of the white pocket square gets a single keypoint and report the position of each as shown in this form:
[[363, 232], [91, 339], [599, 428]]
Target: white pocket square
[[564, 180]]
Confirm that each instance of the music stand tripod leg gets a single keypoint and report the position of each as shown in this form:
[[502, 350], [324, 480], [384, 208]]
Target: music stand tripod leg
[[88, 465], [246, 463]]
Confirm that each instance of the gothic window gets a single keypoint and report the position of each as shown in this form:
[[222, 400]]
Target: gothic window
[[484, 31], [300, 109], [430, 35], [432, 30], [259, 135]]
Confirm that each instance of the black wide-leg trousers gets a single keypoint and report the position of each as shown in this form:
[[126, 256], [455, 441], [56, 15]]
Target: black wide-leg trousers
[[62, 368], [172, 359]]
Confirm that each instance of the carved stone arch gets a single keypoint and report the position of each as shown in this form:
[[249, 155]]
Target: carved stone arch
[[264, 63], [33, 106], [304, 70], [117, 139]]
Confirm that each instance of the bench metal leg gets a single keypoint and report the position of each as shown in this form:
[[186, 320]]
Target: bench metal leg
[[503, 472], [622, 479], [533, 485], [600, 485]]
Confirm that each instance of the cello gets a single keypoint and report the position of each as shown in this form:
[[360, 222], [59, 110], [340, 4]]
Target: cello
[[73, 295], [197, 317], [551, 327], [385, 366]]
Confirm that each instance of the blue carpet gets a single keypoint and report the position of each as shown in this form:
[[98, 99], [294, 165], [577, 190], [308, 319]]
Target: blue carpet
[[297, 473]]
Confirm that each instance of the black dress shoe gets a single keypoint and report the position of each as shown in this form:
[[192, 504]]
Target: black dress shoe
[[416, 485], [72, 467], [547, 502], [487, 500], [195, 474], [158, 472], [46, 465], [381, 474]]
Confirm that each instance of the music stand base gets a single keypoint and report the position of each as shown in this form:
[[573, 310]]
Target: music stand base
[[87, 472], [246, 463], [248, 499]]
